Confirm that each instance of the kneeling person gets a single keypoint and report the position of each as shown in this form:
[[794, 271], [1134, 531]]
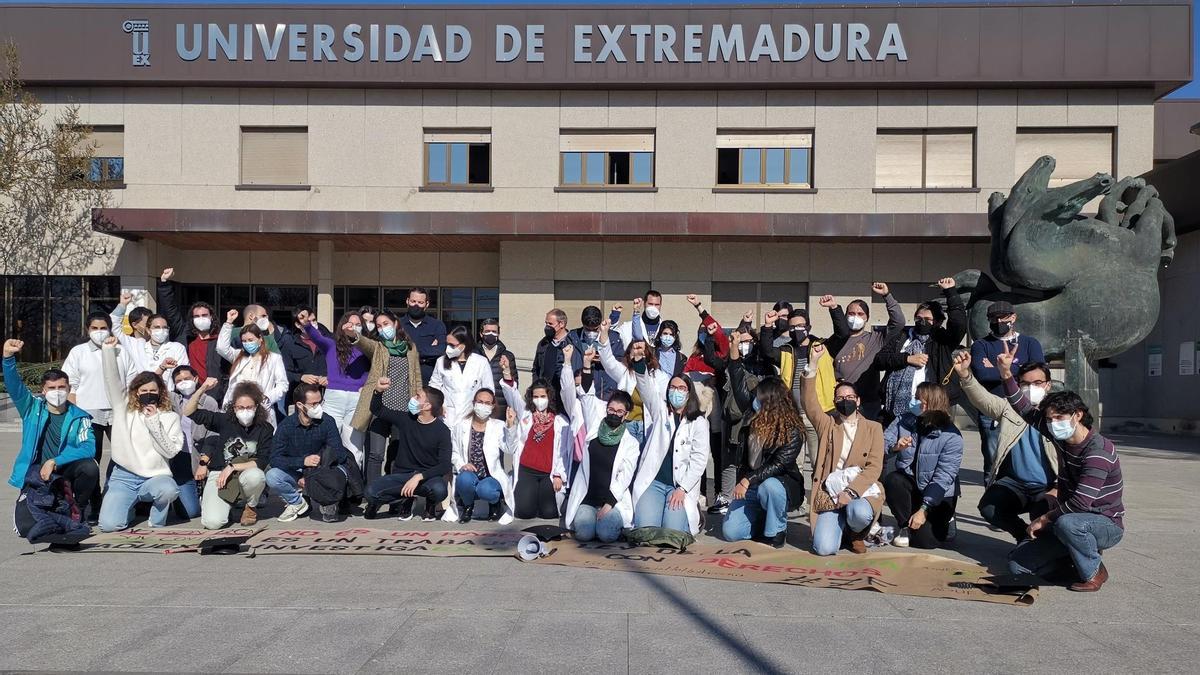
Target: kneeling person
[[298, 444], [423, 458], [478, 446]]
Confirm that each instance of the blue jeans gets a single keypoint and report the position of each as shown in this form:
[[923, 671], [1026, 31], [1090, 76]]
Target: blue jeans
[[766, 503], [652, 510], [989, 440], [286, 484], [587, 528], [1078, 537], [126, 489], [827, 535], [189, 498], [468, 487]]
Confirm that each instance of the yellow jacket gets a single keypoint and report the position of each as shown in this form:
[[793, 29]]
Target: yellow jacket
[[825, 380]]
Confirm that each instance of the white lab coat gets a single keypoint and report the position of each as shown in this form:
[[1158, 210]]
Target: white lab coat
[[459, 384], [625, 378], [144, 356], [689, 453], [272, 378], [625, 330], [514, 440], [587, 414], [493, 447]]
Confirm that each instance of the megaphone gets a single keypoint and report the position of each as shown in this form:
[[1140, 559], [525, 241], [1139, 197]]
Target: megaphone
[[531, 548]]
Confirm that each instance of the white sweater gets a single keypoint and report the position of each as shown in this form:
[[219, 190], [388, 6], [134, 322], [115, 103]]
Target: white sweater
[[141, 444]]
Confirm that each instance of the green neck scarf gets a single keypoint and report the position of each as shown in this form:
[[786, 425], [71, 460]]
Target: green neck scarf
[[396, 348], [609, 436]]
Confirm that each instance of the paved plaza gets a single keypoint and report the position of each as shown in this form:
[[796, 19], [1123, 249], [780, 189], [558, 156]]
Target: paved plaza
[[334, 614]]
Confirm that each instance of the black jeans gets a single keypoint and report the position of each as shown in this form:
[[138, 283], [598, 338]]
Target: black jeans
[[101, 432], [84, 476], [904, 499], [379, 451], [535, 497], [1002, 507], [387, 488]]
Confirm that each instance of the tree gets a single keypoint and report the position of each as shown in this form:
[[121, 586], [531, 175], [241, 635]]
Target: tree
[[46, 196]]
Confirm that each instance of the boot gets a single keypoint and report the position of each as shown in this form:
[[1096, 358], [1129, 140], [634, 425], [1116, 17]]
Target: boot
[[495, 511], [1091, 585], [858, 542], [249, 516], [465, 512], [371, 511]]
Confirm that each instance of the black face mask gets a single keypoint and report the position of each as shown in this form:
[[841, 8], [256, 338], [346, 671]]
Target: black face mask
[[550, 331], [416, 313], [147, 400], [1000, 328], [781, 325], [923, 327], [491, 340], [846, 407], [613, 421], [799, 335]]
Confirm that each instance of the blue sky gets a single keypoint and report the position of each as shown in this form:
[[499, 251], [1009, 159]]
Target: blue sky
[[1190, 91]]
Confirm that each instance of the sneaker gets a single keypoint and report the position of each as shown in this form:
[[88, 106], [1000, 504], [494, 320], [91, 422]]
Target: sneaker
[[430, 514], [720, 506], [901, 539], [495, 511], [803, 510], [294, 511], [371, 511], [403, 510], [465, 512], [329, 513], [249, 516]]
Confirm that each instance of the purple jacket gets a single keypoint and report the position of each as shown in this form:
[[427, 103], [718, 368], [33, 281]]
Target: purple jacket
[[350, 378]]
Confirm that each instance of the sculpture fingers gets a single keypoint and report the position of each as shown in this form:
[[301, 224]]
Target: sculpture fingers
[[1113, 204]]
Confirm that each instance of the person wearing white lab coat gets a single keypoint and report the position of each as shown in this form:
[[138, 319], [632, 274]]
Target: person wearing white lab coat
[[155, 353], [639, 355], [253, 363], [600, 505], [478, 463], [459, 374], [539, 439]]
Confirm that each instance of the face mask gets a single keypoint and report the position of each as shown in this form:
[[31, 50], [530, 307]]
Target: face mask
[[676, 398], [1034, 394], [414, 406], [251, 347], [483, 410], [914, 407], [799, 335], [744, 348], [781, 325], [1001, 328], [592, 335], [490, 339], [148, 399], [160, 335], [388, 333], [667, 340], [613, 421], [550, 332], [1062, 429], [315, 411], [202, 323], [846, 408], [453, 352], [186, 387], [755, 405], [370, 326], [651, 312], [246, 417], [98, 336], [263, 323], [358, 329], [541, 403], [416, 313], [923, 327], [856, 322], [56, 397]]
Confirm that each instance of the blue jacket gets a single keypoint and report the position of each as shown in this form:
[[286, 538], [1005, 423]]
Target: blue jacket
[[78, 442], [294, 441], [937, 452]]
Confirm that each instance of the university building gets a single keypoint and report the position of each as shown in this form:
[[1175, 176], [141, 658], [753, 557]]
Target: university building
[[519, 158]]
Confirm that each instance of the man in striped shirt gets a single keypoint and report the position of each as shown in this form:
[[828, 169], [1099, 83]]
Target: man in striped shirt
[[1088, 517]]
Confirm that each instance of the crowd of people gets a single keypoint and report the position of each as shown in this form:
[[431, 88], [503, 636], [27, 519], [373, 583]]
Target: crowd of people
[[617, 428]]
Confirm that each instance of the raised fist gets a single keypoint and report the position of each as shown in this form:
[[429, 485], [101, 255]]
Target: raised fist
[[505, 368], [169, 363], [815, 352], [589, 357], [693, 299], [568, 352], [605, 326], [231, 316], [109, 341], [167, 274], [827, 301], [637, 305], [12, 347], [126, 297], [962, 363], [879, 288], [510, 417], [711, 328], [945, 282], [618, 308], [209, 384], [770, 317], [748, 317], [383, 384]]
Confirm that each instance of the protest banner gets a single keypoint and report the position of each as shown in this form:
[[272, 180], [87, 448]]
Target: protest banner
[[361, 541], [163, 539]]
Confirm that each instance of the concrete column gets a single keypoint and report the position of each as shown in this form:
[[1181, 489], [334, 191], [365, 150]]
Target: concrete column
[[325, 282]]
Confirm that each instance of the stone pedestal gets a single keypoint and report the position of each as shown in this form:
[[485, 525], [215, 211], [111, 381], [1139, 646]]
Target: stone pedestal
[[1082, 377]]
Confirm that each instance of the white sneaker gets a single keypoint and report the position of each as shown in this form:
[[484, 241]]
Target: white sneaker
[[901, 538], [294, 511]]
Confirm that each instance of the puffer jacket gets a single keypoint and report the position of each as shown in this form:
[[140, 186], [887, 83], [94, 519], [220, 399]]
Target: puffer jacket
[[933, 458]]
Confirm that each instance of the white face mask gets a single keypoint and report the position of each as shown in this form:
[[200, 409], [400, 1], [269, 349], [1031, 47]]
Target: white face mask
[[202, 323], [541, 403], [453, 352], [1062, 429], [651, 312], [358, 329], [186, 387], [370, 326], [263, 323], [483, 410], [856, 322], [160, 335], [56, 397], [246, 417], [1035, 394], [98, 336], [744, 348], [315, 411]]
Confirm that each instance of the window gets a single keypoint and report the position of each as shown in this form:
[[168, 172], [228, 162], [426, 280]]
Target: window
[[458, 158], [732, 299], [108, 157], [281, 300], [606, 159], [48, 312], [925, 159], [1078, 153], [274, 156], [572, 296], [764, 160]]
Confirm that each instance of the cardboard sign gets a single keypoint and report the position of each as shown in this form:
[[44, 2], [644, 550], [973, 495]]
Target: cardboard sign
[[162, 539], [917, 574], [362, 541]]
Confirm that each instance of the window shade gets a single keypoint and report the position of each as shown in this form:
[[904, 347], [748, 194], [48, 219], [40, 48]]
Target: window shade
[[1078, 154], [948, 161], [108, 141], [458, 137], [604, 142], [275, 156], [764, 140], [898, 160]]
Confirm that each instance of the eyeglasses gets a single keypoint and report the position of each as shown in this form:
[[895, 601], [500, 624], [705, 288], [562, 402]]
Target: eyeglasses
[[1036, 383], [683, 389], [618, 413], [845, 398], [241, 409]]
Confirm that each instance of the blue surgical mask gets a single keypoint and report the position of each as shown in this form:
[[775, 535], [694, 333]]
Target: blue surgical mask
[[755, 404], [251, 347], [914, 407], [414, 406], [666, 340], [388, 333], [676, 398], [1062, 429]]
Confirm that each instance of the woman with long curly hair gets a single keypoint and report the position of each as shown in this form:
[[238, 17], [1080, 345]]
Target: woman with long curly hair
[[769, 483], [349, 368]]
